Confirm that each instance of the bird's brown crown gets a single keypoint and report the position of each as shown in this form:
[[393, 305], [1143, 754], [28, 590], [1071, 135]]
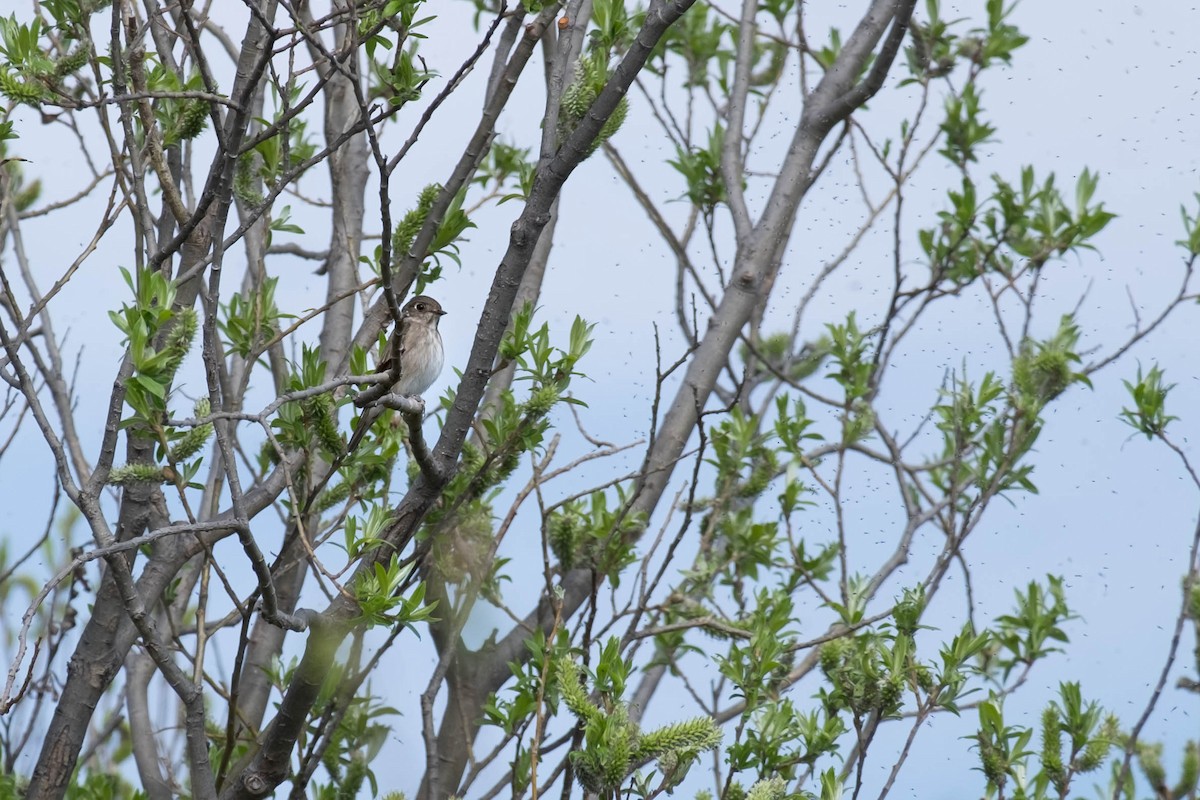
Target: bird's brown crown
[[422, 304]]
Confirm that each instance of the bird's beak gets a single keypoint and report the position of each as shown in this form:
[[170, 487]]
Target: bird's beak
[[441, 313]]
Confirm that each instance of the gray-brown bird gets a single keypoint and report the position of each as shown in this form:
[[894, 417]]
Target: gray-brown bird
[[417, 342], [419, 345]]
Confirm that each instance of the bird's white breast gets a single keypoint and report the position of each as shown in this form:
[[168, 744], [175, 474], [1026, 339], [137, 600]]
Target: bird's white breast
[[421, 362]]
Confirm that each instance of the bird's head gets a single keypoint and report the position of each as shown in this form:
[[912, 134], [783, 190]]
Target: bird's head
[[423, 308]]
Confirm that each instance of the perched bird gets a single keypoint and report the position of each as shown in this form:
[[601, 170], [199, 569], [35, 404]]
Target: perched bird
[[418, 344]]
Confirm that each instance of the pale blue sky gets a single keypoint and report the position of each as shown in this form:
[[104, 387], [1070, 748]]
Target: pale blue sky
[[1112, 88]]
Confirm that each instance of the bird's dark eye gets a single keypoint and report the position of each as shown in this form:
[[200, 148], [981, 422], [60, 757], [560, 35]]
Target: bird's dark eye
[[420, 306]]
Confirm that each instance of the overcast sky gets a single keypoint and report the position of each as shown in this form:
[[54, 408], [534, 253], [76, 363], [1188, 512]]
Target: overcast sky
[[1112, 88]]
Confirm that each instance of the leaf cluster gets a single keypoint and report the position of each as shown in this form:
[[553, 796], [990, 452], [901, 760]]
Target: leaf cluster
[[591, 75], [450, 230], [1149, 393], [1006, 755], [612, 744], [30, 72], [379, 598], [935, 49], [1014, 229]]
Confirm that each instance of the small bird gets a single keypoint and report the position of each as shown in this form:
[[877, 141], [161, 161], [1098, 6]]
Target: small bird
[[418, 344]]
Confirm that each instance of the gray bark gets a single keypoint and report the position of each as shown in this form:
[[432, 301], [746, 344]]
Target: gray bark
[[348, 171]]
